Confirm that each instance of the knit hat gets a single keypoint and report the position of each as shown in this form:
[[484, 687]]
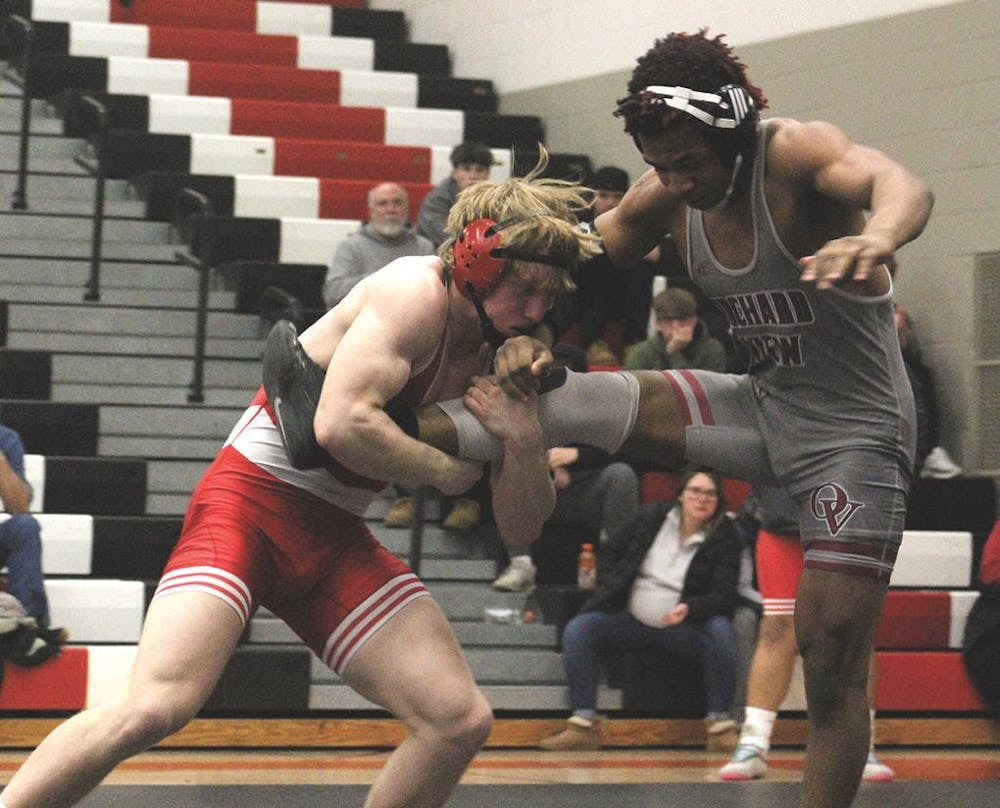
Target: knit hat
[[675, 303]]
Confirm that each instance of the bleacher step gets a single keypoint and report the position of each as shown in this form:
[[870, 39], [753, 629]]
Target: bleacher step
[[39, 226], [111, 296], [74, 273], [75, 184]]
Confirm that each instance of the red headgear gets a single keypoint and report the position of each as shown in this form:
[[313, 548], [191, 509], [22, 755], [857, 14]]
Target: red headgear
[[480, 258]]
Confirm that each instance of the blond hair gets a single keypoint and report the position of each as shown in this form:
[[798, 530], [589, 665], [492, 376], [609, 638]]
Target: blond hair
[[543, 214]]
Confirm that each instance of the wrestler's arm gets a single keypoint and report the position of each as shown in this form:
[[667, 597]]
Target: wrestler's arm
[[638, 223], [823, 157], [399, 321]]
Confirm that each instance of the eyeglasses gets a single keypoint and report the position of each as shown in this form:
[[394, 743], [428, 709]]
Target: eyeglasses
[[704, 493]]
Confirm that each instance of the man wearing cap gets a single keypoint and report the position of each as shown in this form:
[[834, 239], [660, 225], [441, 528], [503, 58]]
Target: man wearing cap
[[470, 163], [681, 339]]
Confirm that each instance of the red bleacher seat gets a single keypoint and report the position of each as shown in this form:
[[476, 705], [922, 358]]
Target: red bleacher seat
[[230, 15], [59, 684], [223, 46], [275, 82], [345, 160], [660, 484], [307, 120], [915, 619], [925, 681], [348, 199]]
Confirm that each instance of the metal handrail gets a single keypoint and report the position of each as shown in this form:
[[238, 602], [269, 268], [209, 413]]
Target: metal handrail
[[203, 207], [94, 282], [19, 199]]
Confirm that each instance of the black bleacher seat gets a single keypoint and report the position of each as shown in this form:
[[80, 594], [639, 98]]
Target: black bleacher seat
[[412, 57], [128, 152], [504, 131], [263, 679], [250, 279], [158, 189], [25, 375], [370, 23], [95, 485], [4, 319], [133, 548], [50, 428], [448, 92], [80, 118], [216, 239], [573, 167]]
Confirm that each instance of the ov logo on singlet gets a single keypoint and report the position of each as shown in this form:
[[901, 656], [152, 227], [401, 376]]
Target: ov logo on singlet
[[831, 503]]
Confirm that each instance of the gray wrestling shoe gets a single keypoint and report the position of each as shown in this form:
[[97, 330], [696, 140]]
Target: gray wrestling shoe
[[293, 383]]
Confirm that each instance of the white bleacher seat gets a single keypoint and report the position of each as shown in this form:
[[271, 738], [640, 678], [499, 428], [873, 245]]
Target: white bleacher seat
[[231, 154], [266, 196], [313, 241], [423, 127], [934, 558], [383, 88], [67, 543], [441, 163], [290, 18], [961, 605], [108, 670], [69, 10], [34, 473], [127, 75], [336, 53], [108, 39], [187, 114], [97, 610]]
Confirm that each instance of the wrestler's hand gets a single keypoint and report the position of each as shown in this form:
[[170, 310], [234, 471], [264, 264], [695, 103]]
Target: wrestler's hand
[[512, 420], [518, 364], [677, 616], [851, 258]]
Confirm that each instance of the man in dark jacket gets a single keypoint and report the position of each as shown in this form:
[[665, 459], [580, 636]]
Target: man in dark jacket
[[666, 581]]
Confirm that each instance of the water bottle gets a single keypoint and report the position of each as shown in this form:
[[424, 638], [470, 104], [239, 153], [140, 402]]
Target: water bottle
[[586, 568]]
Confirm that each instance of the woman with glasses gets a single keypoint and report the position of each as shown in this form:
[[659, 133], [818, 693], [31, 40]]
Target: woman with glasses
[[666, 581]]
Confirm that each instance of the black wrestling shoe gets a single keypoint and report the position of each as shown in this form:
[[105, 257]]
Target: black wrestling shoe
[[293, 383]]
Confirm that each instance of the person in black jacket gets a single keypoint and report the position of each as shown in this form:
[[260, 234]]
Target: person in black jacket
[[665, 581]]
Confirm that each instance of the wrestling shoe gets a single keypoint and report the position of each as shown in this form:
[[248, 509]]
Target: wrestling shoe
[[747, 764], [579, 735], [876, 771], [518, 577], [293, 383]]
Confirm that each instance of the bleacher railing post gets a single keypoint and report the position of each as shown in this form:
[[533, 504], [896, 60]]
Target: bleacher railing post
[[94, 282], [19, 199]]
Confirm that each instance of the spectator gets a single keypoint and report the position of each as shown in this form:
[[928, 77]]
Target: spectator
[[470, 163], [21, 552], [779, 568], [592, 489], [665, 581], [681, 339], [981, 643], [385, 237]]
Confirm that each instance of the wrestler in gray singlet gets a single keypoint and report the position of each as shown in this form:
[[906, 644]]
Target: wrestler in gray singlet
[[827, 396]]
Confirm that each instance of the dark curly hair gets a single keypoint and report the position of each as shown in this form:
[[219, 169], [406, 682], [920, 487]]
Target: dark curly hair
[[697, 62]]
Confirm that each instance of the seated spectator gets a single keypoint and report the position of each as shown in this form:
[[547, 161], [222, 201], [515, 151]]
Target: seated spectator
[[21, 553], [981, 643], [385, 237], [471, 162], [779, 567], [666, 581], [592, 489], [681, 339]]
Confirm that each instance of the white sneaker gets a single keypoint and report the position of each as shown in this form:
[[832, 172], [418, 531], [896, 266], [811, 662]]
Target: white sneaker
[[747, 764], [876, 771], [938, 464], [518, 577]]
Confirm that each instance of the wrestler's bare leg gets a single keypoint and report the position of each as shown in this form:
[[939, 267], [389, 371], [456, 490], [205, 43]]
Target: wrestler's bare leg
[[836, 616], [186, 642], [657, 434], [414, 667]]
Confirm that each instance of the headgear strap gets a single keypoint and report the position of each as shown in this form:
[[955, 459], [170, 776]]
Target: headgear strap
[[729, 107]]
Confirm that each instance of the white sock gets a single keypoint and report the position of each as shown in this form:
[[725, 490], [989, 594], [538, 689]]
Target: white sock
[[871, 737], [521, 559], [757, 728]]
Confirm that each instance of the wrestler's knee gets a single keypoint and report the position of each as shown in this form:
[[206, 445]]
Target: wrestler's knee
[[460, 716], [137, 723], [835, 667]]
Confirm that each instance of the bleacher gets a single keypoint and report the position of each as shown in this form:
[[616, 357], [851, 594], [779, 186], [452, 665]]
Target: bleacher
[[282, 115]]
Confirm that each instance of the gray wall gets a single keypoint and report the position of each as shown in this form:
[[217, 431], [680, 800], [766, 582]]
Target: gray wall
[[923, 87]]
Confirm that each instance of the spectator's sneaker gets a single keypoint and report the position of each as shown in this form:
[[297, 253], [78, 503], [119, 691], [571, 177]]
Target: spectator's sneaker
[[747, 764], [54, 636], [403, 513], [579, 735], [518, 577], [876, 771], [39, 652], [464, 515]]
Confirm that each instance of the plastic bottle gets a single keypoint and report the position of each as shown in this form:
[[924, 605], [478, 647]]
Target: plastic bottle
[[586, 568]]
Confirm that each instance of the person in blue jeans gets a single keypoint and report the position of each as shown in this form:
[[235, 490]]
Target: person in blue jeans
[[666, 581], [21, 554]]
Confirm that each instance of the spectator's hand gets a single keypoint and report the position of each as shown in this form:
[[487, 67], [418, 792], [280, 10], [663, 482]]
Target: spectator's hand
[[851, 258], [561, 478], [681, 334], [509, 419], [519, 363], [677, 616]]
